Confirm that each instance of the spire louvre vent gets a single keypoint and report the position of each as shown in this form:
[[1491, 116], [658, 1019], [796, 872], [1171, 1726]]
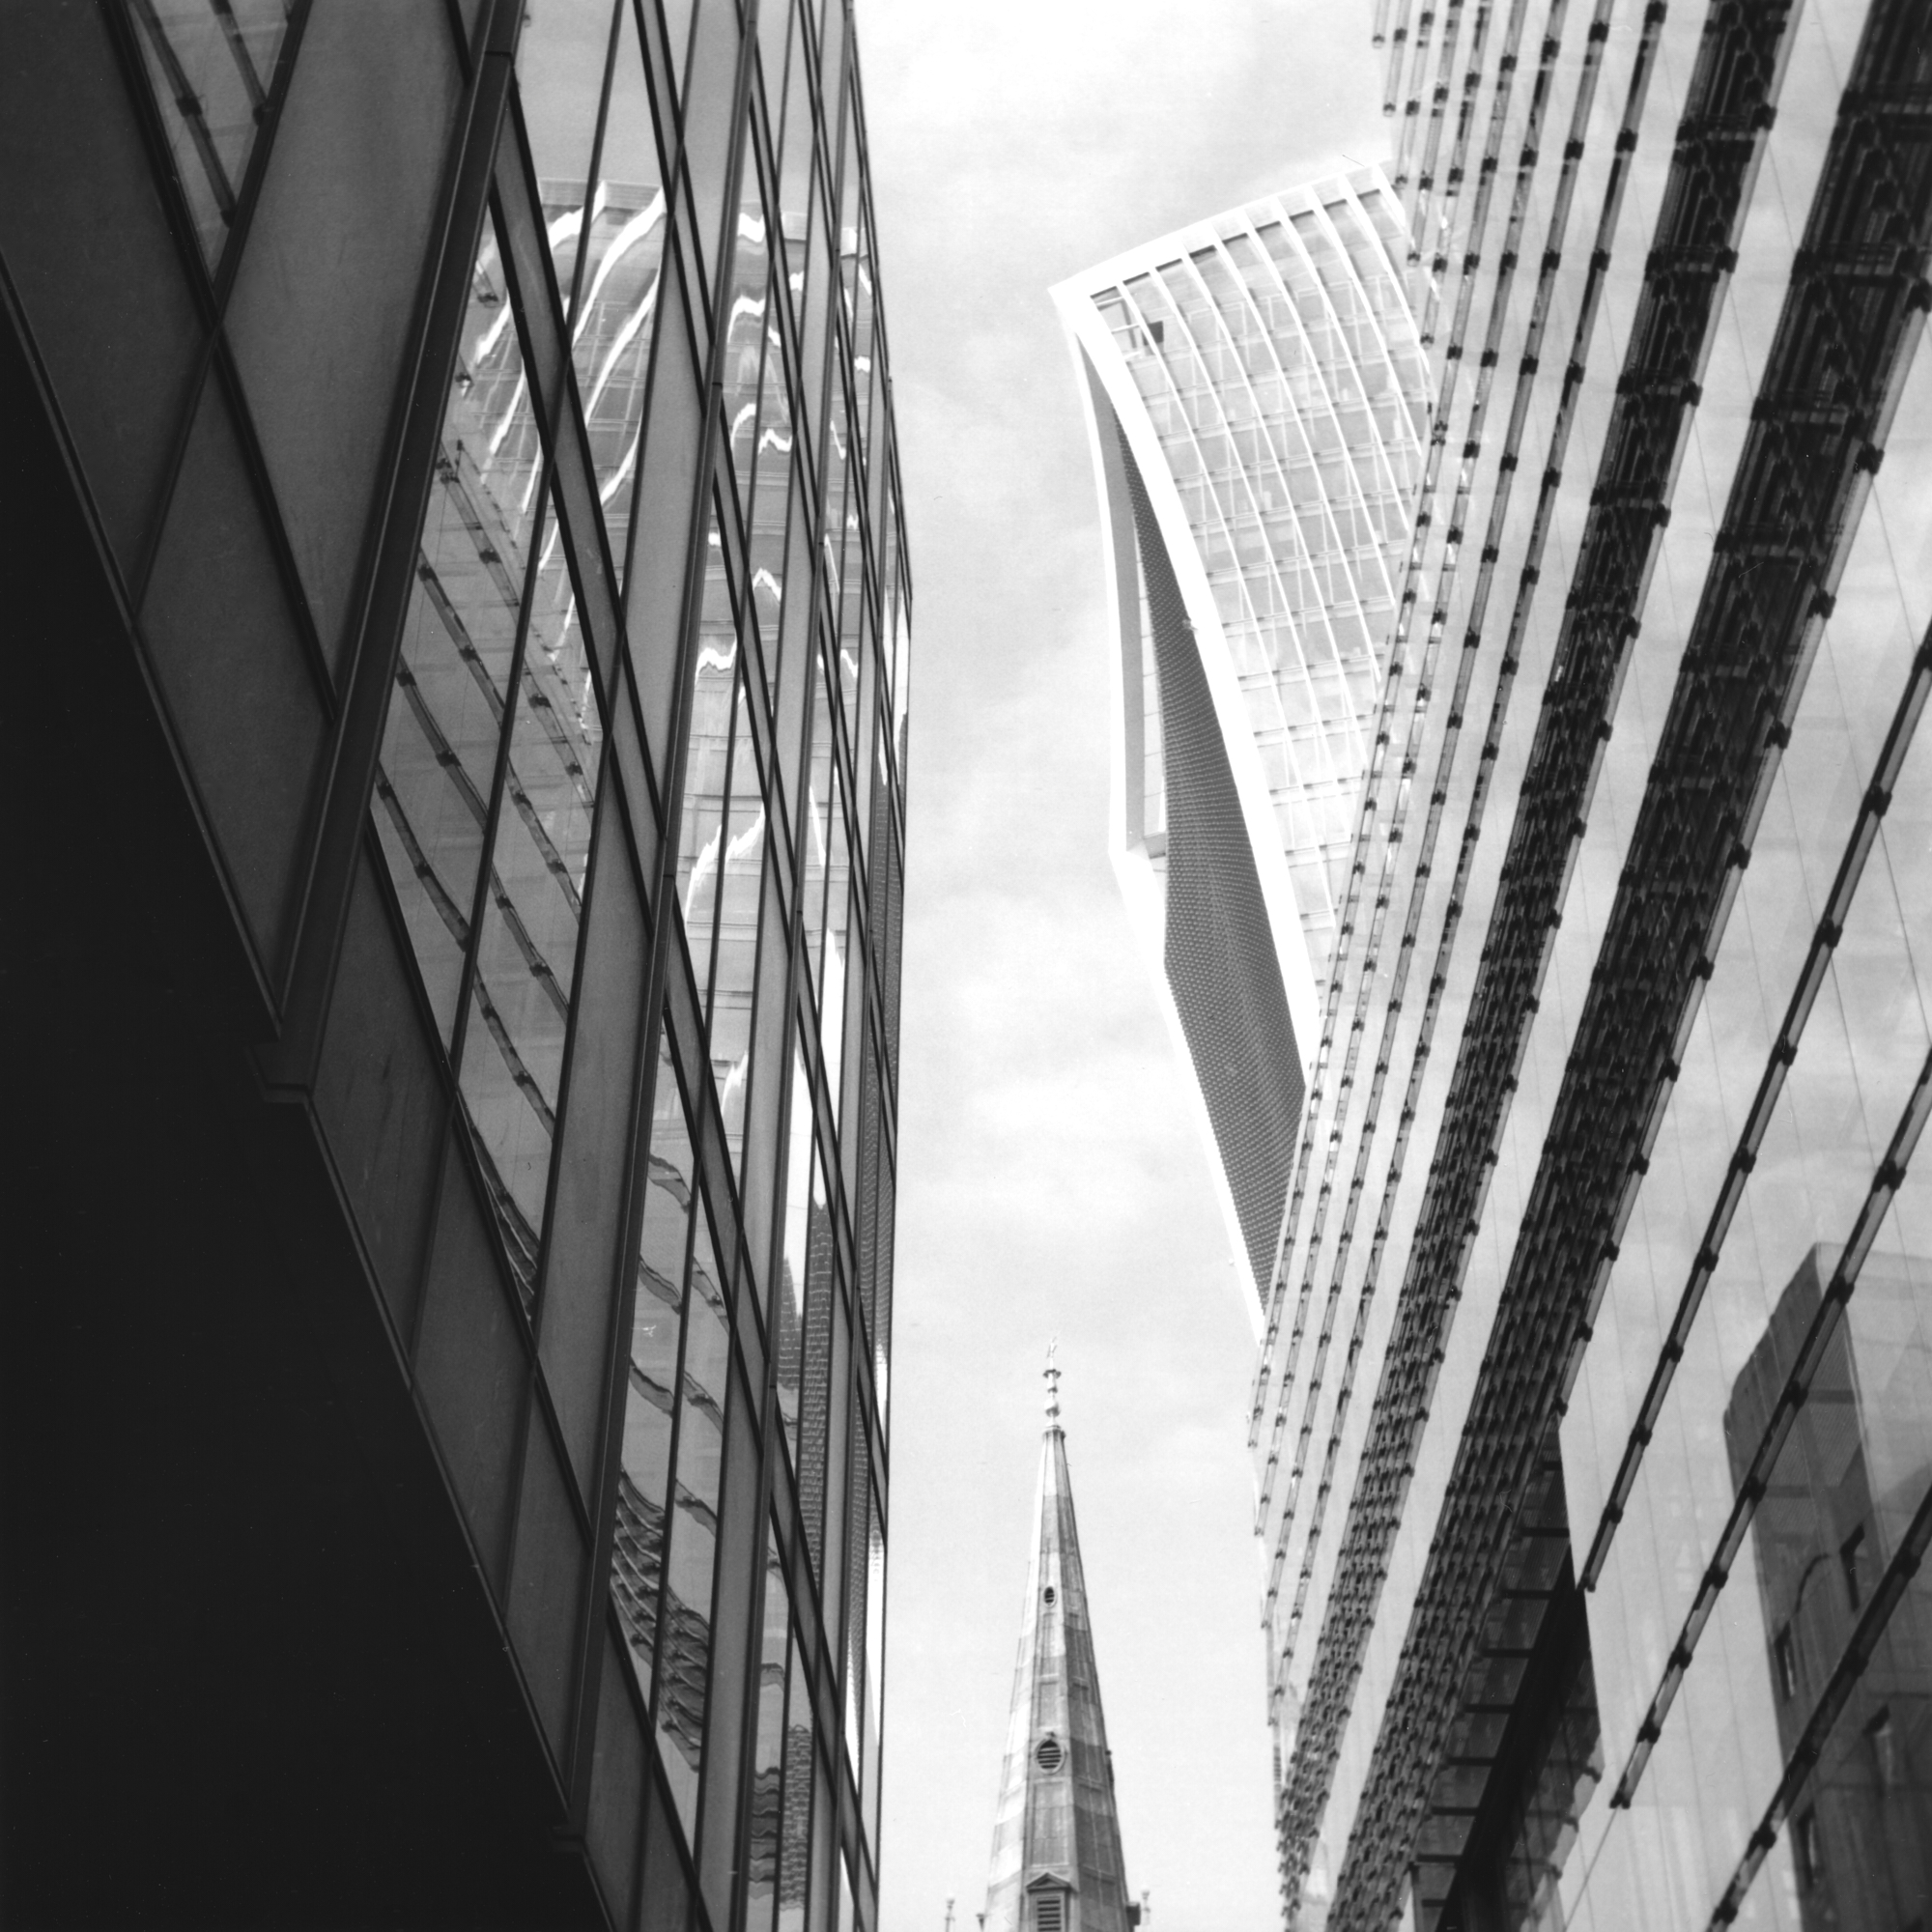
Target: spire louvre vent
[[1049, 1909], [1048, 1757]]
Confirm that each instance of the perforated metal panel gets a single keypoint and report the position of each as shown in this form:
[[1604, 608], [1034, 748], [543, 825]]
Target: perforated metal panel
[[1219, 950]]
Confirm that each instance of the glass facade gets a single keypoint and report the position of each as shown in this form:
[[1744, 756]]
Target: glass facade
[[1256, 393], [541, 358], [1591, 1422]]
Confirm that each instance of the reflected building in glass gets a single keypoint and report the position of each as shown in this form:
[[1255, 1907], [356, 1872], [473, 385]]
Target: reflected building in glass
[[463, 445], [1592, 1432], [1835, 1513], [1255, 401]]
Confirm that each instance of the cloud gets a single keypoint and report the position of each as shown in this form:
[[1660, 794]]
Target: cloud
[[1049, 1176]]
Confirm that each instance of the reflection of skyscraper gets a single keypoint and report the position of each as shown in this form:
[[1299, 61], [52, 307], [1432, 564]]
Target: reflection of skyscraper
[[1057, 1837], [1836, 1511], [1628, 1005], [465, 1139], [1254, 393]]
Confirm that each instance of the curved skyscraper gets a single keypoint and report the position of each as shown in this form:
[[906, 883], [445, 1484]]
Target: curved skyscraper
[[1254, 391]]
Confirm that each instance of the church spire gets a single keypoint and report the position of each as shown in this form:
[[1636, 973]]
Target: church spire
[[1056, 1838]]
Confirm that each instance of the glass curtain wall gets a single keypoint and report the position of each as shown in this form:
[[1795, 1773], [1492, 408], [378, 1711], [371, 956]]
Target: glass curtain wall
[[752, 1408], [1629, 1184]]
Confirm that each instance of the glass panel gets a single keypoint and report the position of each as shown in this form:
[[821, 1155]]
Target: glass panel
[[901, 621], [745, 325], [801, 1174], [677, 19], [832, 62], [795, 1825], [882, 1294], [527, 957], [772, 485], [715, 684], [616, 306], [839, 935], [694, 1538], [851, 582], [737, 944], [875, 1663], [212, 64], [768, 1757], [863, 734], [841, 508], [863, 1192], [818, 825], [1846, 1496], [453, 678], [795, 161], [819, 1471], [858, 1500], [773, 22], [705, 103], [637, 1562], [561, 57], [861, 302], [851, 214]]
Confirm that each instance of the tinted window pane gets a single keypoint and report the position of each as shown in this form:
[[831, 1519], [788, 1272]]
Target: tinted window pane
[[743, 864], [561, 57], [453, 677], [795, 1824], [801, 1177], [768, 1757], [619, 281], [707, 760], [694, 1544], [533, 907], [637, 1571], [212, 64]]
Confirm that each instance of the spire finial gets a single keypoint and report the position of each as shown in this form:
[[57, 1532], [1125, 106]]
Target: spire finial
[[1052, 1381]]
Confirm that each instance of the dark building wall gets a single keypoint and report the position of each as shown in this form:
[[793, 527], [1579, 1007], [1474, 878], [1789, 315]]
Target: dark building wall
[[447, 568]]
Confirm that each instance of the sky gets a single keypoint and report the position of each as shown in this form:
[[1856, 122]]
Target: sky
[[1050, 1179]]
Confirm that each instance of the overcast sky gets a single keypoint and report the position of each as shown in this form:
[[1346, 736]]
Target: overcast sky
[[1050, 1183]]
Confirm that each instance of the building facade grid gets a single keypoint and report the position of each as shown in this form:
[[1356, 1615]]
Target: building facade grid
[[506, 496], [1673, 1032]]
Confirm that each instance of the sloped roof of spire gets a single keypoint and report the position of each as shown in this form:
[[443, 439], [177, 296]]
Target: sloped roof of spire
[[1057, 1831]]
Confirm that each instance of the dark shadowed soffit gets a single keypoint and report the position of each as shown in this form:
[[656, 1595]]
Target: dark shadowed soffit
[[251, 1675]]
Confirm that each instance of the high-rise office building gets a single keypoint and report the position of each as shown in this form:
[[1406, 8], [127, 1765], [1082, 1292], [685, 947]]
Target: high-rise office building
[[1255, 399], [451, 496], [1598, 1249], [1057, 1834]]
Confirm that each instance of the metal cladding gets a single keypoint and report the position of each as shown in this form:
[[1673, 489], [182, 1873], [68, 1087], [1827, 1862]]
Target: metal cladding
[[1056, 1837], [1255, 390], [1625, 1055]]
